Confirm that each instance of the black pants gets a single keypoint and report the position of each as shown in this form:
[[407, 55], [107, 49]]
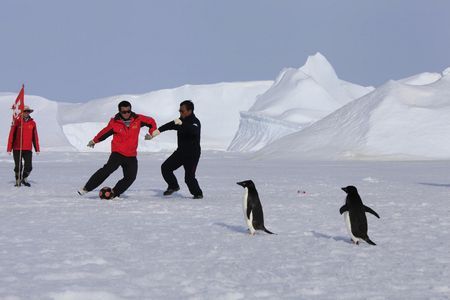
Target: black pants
[[177, 160], [25, 165], [129, 167]]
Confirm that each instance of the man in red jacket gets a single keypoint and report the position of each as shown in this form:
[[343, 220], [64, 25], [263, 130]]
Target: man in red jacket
[[22, 137], [124, 128]]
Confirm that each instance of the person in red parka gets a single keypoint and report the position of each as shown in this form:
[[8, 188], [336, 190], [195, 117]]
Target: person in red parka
[[124, 128], [23, 136]]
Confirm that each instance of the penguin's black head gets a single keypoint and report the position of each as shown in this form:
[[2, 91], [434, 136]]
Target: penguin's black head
[[350, 189], [246, 184]]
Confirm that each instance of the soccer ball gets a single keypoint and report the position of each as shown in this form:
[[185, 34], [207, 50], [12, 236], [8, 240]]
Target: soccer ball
[[105, 193]]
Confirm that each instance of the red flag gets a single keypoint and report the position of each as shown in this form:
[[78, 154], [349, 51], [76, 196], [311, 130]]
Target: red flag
[[19, 104]]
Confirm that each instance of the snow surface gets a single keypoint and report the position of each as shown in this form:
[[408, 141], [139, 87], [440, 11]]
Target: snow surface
[[297, 98], [65, 126], [57, 245], [422, 79], [399, 120]]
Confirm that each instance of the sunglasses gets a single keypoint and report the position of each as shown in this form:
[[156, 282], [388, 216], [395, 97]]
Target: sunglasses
[[27, 111], [125, 111]]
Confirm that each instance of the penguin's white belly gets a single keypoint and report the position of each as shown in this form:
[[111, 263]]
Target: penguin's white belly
[[249, 221], [348, 224]]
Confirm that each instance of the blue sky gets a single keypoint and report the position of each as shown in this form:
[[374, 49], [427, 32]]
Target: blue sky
[[86, 49]]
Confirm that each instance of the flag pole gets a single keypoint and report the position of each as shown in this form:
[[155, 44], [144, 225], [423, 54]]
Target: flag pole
[[21, 139]]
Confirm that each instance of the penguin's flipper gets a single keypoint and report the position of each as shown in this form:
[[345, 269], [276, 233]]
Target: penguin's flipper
[[369, 241], [369, 210], [343, 209], [249, 211]]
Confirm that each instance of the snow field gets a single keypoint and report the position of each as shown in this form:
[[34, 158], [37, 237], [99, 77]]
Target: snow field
[[57, 245]]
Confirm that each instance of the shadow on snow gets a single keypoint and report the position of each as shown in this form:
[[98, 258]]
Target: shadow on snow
[[336, 238]]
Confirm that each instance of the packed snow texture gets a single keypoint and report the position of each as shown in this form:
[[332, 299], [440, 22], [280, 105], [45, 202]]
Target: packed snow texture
[[406, 119], [66, 126], [57, 245], [297, 98]]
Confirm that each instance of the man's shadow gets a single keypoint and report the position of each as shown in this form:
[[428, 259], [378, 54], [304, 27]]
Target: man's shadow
[[160, 194]]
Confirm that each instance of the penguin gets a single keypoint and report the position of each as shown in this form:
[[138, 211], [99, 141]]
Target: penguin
[[253, 212], [355, 215]]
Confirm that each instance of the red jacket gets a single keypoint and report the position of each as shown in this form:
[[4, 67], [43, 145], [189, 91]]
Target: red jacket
[[29, 135], [125, 139]]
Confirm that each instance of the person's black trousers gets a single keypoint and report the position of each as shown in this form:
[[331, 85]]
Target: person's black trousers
[[26, 164], [189, 163], [129, 166]]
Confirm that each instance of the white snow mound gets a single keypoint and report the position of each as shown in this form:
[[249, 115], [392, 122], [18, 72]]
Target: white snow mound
[[396, 121], [46, 115], [422, 78], [65, 126], [298, 98]]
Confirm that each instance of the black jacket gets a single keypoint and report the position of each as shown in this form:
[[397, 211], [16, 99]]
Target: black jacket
[[188, 135]]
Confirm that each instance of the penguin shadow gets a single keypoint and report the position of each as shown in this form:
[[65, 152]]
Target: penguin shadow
[[336, 238], [234, 228], [435, 184]]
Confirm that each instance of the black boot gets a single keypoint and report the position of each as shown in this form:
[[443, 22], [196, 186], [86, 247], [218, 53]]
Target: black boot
[[170, 191], [25, 182]]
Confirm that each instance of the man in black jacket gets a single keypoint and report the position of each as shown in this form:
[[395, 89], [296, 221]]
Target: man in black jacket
[[188, 152]]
